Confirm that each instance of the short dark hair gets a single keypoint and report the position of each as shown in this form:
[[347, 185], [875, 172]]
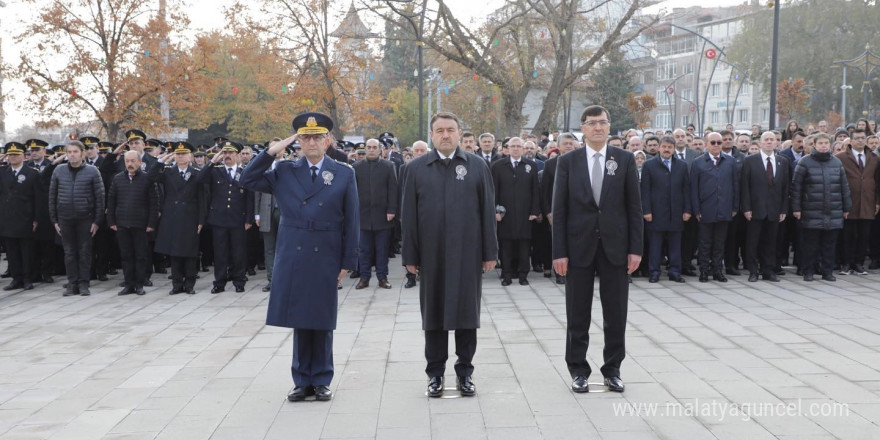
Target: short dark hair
[[594, 110], [798, 133], [74, 143], [655, 138], [859, 130], [725, 133], [445, 115], [467, 134], [666, 140]]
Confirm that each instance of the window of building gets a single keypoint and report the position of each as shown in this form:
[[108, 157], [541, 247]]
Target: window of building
[[666, 69], [714, 90], [714, 117], [743, 115], [687, 94], [662, 97]]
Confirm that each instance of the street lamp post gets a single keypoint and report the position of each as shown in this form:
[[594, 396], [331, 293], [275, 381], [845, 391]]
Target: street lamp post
[[418, 30], [774, 64], [866, 63]]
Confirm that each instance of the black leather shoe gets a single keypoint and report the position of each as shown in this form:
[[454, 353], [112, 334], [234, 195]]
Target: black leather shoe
[[175, 291], [239, 289], [506, 282], [251, 272], [217, 289], [355, 274], [83, 290], [579, 384], [798, 272], [339, 286], [435, 386], [676, 278], [704, 277], [523, 282], [829, 277], [13, 286], [267, 287], [733, 271], [362, 284], [322, 393], [384, 284], [654, 278], [466, 385], [6, 274], [48, 279], [688, 272], [191, 292], [410, 283], [719, 276], [614, 384], [560, 279], [102, 277], [779, 272], [30, 286], [148, 283], [139, 291], [771, 277], [753, 278], [808, 277], [300, 393], [124, 291]]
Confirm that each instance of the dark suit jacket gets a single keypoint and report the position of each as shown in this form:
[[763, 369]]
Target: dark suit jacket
[[547, 179], [765, 200], [690, 155], [665, 194], [792, 162], [579, 223], [495, 156], [862, 183], [377, 193], [519, 194], [714, 189], [19, 197]]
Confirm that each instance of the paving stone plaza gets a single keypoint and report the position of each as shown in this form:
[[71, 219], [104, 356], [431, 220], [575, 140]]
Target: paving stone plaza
[[736, 360]]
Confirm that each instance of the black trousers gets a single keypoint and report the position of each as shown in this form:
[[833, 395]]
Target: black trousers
[[875, 239], [734, 244], [312, 362], [103, 250], [20, 252], [183, 273], [437, 351], [761, 246], [229, 255], [856, 236], [135, 252], [614, 294], [819, 248], [76, 237], [43, 263], [515, 255], [712, 236], [206, 246], [789, 239], [689, 243], [254, 247], [541, 244]]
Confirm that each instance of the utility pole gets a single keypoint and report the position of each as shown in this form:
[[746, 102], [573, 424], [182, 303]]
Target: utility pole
[[2, 111], [163, 46]]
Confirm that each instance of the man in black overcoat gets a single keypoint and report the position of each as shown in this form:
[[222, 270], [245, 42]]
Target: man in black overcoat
[[517, 196], [567, 142], [448, 225], [378, 196], [20, 189], [597, 229]]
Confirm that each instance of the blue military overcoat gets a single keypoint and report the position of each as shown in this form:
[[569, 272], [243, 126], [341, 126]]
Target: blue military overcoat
[[317, 237]]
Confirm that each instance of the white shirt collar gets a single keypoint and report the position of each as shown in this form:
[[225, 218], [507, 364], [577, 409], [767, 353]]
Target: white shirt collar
[[320, 164], [856, 155], [234, 168], [17, 169], [765, 156], [445, 157], [515, 161], [591, 152]]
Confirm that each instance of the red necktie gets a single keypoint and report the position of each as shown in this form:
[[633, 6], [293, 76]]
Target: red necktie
[[769, 171]]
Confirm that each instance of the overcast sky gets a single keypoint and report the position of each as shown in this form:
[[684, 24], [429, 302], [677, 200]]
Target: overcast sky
[[207, 14]]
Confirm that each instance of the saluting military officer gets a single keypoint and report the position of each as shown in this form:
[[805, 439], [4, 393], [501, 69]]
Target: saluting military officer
[[20, 189], [183, 215], [230, 215], [43, 266], [317, 244]]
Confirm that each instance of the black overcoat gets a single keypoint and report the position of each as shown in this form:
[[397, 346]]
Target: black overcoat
[[448, 226], [19, 198], [665, 194], [183, 210], [377, 193], [519, 194]]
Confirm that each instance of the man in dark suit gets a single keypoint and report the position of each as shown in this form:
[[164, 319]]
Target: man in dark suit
[[714, 199], [666, 205], [597, 229], [487, 148], [377, 196], [20, 189], [862, 172], [43, 266], [734, 244], [764, 184], [689, 235], [567, 142], [516, 190], [789, 234]]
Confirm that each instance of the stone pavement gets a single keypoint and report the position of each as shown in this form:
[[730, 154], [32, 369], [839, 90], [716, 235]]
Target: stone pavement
[[738, 360]]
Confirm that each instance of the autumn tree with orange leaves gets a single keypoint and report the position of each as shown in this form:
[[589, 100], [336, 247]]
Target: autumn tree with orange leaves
[[114, 61], [792, 99]]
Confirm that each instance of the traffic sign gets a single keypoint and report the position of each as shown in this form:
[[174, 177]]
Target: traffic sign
[[711, 54]]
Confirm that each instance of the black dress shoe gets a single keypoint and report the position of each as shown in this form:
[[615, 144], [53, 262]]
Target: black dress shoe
[[217, 289], [5, 275], [538, 268], [339, 286], [13, 286], [614, 384], [322, 393], [506, 282], [384, 284], [466, 385], [355, 274], [719, 276], [753, 278], [239, 289], [300, 393], [251, 272], [267, 288], [83, 290], [704, 277], [779, 272], [798, 272], [102, 277], [48, 279], [191, 292], [30, 286], [771, 277], [175, 291], [676, 278], [579, 384], [435, 386], [523, 282], [410, 283], [688, 272], [125, 291], [560, 279], [829, 277], [139, 291], [362, 284], [654, 278], [112, 271], [733, 271], [148, 283], [808, 277]]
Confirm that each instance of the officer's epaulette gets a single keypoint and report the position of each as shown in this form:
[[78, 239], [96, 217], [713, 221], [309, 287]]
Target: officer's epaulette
[[196, 168], [168, 166], [343, 163]]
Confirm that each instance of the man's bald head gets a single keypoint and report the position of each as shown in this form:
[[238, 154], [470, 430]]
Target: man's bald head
[[132, 161]]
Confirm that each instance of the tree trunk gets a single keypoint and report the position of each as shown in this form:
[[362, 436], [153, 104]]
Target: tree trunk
[[514, 99]]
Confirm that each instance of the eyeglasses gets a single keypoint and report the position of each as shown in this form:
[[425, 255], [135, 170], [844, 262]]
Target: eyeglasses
[[716, 142], [595, 123], [311, 138]]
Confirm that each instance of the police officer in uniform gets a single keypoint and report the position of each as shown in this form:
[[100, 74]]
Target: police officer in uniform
[[230, 215], [20, 189], [317, 239], [183, 216], [43, 266]]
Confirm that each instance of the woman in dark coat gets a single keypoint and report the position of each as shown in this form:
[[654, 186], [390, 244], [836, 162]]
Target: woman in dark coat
[[820, 200]]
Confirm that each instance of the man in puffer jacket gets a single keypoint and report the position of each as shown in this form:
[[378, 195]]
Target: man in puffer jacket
[[820, 200], [76, 205]]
